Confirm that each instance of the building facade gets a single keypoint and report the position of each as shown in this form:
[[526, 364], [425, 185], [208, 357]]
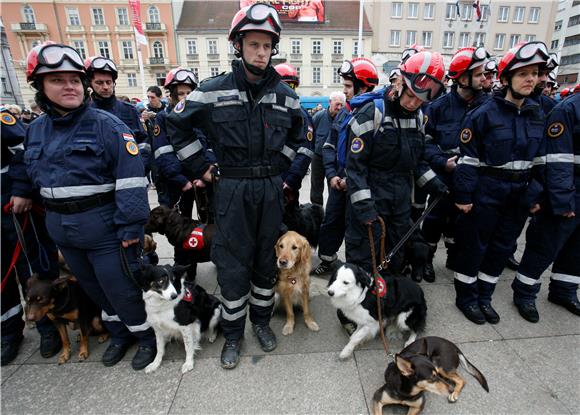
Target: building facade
[[95, 28], [9, 87], [565, 42]]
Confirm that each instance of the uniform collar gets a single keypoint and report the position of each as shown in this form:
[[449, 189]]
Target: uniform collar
[[528, 105]]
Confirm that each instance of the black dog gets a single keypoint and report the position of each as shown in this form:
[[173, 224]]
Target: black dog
[[180, 232], [304, 219]]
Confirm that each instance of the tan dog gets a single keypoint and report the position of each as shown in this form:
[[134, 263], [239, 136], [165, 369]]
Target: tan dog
[[293, 286]]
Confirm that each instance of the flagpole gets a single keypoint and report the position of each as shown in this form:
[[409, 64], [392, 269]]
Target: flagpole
[[140, 39], [141, 68], [360, 26]]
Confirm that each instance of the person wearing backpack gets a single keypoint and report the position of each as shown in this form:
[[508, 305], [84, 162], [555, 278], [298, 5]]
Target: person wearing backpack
[[358, 76]]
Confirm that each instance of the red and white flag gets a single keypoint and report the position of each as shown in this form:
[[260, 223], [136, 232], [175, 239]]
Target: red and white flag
[[137, 24], [477, 9]]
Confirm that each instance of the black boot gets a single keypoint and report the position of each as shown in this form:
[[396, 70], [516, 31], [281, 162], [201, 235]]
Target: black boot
[[143, 356], [230, 356], [429, 272], [50, 344], [572, 305], [266, 337], [529, 312], [114, 354], [10, 349]]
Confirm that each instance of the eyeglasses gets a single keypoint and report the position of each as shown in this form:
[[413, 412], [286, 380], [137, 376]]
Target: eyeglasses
[[424, 86], [259, 13], [529, 50], [346, 70], [52, 56], [184, 75], [102, 63]]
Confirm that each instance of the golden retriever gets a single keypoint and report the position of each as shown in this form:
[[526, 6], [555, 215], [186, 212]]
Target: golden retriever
[[293, 286]]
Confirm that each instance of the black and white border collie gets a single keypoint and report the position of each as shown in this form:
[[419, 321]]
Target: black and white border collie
[[403, 306], [177, 311]]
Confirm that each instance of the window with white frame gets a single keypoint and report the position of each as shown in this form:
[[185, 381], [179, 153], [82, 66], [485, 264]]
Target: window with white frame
[[479, 39], [499, 41], [503, 14], [79, 45], [530, 38], [336, 78], [73, 17], [316, 46], [448, 38], [154, 15], [316, 76], [297, 71], [196, 72], [427, 39], [534, 16], [127, 49], [160, 78], [411, 37], [484, 12], [103, 48], [395, 38], [467, 12], [157, 49], [5, 89], [413, 11], [214, 71], [191, 46], [28, 14], [514, 40], [463, 39], [295, 46], [355, 48], [397, 10], [554, 44], [123, 16], [212, 48], [558, 26], [132, 80], [429, 11], [98, 16], [450, 11], [519, 13], [337, 47]]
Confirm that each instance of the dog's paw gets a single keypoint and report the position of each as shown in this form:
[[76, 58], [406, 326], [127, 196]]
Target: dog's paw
[[345, 354], [312, 325], [152, 367], [186, 367], [212, 337], [64, 357], [452, 398], [103, 338], [83, 355], [288, 329]]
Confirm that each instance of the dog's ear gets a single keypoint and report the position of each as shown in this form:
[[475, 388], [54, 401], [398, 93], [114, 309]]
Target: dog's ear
[[363, 277], [33, 278], [60, 282], [179, 270], [405, 366], [305, 252]]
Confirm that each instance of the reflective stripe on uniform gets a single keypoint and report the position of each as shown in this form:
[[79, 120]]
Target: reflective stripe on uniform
[[236, 303], [144, 146], [360, 129], [211, 97], [576, 159], [131, 183], [233, 316], [288, 152], [268, 99], [407, 123], [11, 312], [106, 317], [189, 150], [14, 149], [527, 280], [328, 145], [292, 103], [261, 303], [469, 161], [560, 158], [487, 278], [424, 179], [359, 195], [512, 165], [566, 278], [465, 278], [75, 191], [140, 327], [538, 161], [5, 169], [163, 150], [266, 292], [306, 151]]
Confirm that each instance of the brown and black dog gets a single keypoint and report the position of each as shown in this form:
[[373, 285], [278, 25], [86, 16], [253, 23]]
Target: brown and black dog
[[63, 301], [429, 364], [178, 230]]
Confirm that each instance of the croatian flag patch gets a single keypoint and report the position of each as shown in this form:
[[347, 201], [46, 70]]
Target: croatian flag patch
[[128, 137]]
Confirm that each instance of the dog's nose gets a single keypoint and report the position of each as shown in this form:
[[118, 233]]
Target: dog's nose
[[173, 296], [283, 262], [331, 293]]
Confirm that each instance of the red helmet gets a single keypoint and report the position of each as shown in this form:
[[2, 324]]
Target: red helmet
[[259, 17], [100, 64], [52, 57], [361, 69], [564, 92], [179, 76], [523, 54], [410, 51], [423, 74], [466, 59], [288, 74]]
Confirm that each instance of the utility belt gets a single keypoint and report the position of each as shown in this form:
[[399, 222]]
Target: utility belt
[[249, 172], [515, 176], [70, 206]]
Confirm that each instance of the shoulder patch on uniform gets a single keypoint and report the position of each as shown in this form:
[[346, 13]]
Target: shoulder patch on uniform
[[180, 106], [128, 137], [156, 130], [357, 145], [465, 136], [556, 129], [309, 134], [132, 148], [8, 119]]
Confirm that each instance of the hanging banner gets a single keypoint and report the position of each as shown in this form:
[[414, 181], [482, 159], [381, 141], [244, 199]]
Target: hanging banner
[[137, 24]]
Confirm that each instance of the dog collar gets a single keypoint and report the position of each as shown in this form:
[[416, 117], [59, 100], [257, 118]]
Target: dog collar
[[187, 296], [380, 283], [194, 241]]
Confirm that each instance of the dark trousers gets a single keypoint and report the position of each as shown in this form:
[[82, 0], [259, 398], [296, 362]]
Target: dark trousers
[[317, 180], [333, 225]]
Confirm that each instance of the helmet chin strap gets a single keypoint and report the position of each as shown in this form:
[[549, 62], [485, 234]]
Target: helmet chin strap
[[253, 69], [515, 94]]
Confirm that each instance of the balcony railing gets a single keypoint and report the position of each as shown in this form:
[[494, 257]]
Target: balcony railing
[[155, 27], [29, 27], [155, 60]]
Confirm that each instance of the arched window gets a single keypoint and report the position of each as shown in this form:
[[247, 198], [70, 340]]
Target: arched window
[[28, 14], [154, 15], [157, 49]]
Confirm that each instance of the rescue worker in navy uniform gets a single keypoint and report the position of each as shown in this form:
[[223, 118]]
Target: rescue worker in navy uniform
[[40, 250], [358, 76], [102, 74], [382, 167], [299, 167], [86, 164], [443, 122], [254, 125], [495, 185], [489, 71], [554, 234]]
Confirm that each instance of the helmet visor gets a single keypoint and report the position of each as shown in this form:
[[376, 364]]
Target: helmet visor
[[102, 63], [52, 56], [186, 77], [480, 54], [346, 69], [529, 50], [424, 86], [490, 66], [260, 12], [407, 53]]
